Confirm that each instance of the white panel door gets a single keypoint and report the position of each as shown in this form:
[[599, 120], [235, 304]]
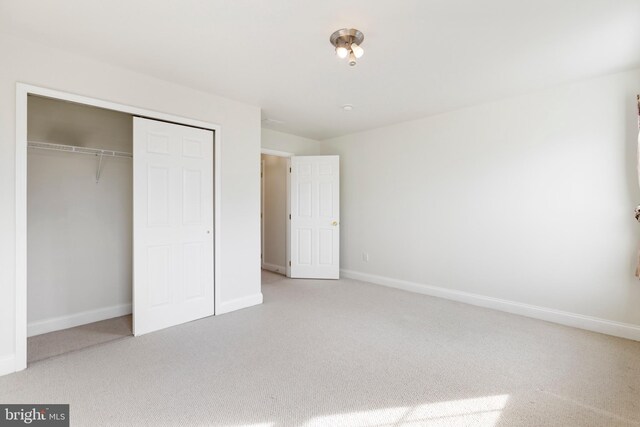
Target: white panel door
[[172, 224], [314, 225]]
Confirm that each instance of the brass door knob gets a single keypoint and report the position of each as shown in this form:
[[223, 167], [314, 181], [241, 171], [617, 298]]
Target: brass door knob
[[334, 223]]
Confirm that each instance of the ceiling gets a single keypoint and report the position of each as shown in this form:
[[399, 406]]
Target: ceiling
[[422, 57]]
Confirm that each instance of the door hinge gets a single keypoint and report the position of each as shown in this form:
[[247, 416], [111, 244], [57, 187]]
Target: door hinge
[[289, 216], [289, 170], [289, 263]]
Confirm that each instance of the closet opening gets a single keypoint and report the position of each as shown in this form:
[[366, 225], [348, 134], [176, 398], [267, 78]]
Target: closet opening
[[117, 220], [79, 226]]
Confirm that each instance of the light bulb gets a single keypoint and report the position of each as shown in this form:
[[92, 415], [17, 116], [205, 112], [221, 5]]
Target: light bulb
[[357, 50], [342, 52], [352, 59]]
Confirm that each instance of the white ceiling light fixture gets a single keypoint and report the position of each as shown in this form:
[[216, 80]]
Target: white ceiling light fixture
[[347, 42], [357, 50], [347, 107], [342, 52]]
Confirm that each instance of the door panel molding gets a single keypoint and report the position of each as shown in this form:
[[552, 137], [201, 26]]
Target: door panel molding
[[313, 203], [169, 255]]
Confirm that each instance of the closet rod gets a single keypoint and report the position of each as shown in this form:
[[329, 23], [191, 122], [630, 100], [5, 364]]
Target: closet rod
[[79, 150]]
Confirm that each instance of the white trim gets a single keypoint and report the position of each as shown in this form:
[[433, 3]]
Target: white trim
[[7, 365], [217, 220], [277, 153], [262, 213], [114, 106], [22, 92], [20, 356], [239, 303], [287, 229], [589, 323], [280, 269], [77, 319]]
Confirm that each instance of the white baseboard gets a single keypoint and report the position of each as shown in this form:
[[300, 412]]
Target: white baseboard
[[76, 319], [275, 268], [595, 324], [239, 303], [7, 365]]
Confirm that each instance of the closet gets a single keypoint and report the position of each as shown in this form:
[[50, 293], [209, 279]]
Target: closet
[[120, 225], [79, 226]]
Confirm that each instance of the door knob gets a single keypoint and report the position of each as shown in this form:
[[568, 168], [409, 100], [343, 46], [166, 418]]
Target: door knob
[[334, 223]]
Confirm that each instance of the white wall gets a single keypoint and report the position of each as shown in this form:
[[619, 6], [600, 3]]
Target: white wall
[[275, 213], [281, 141], [79, 231], [528, 200], [239, 283]]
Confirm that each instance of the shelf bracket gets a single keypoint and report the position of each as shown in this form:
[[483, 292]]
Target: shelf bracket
[[99, 171]]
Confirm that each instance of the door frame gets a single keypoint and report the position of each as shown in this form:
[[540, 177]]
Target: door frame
[[277, 153], [23, 90], [261, 212]]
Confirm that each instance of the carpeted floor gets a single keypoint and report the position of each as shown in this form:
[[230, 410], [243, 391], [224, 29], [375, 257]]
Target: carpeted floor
[[56, 343], [345, 353]]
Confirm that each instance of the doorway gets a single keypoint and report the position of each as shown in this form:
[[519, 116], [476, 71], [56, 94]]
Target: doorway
[[273, 175], [101, 168], [300, 215]]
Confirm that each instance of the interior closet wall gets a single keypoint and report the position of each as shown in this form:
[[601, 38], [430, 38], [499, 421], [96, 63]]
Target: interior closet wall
[[79, 232], [275, 215]]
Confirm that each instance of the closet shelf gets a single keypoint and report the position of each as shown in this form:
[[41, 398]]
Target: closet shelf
[[79, 150]]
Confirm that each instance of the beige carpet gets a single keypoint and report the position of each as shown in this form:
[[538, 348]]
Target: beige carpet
[[56, 343], [346, 353]]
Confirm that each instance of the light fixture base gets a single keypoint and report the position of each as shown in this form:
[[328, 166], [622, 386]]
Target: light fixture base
[[346, 36]]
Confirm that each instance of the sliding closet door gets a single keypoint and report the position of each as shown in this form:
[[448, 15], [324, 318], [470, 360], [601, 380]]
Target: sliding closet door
[[172, 224]]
